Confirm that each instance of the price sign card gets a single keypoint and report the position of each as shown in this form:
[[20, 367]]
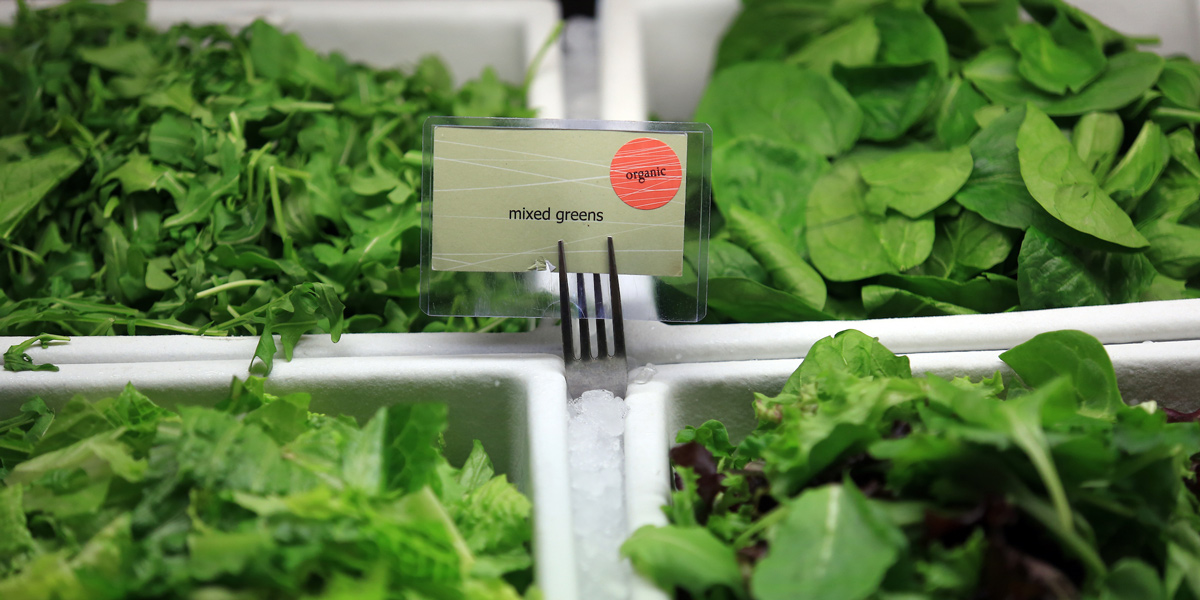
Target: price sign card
[[501, 193], [504, 197]]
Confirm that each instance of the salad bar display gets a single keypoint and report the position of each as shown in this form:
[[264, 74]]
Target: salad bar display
[[221, 380]]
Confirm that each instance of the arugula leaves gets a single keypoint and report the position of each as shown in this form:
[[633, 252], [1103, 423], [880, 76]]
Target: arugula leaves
[[206, 181], [862, 481], [969, 130], [259, 497]]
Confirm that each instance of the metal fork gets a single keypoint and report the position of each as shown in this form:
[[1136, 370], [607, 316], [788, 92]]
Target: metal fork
[[603, 371]]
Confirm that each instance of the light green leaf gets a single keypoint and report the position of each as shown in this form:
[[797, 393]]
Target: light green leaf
[[686, 557], [1065, 187], [831, 545], [915, 183]]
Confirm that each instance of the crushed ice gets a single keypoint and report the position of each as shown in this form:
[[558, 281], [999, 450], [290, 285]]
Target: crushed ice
[[595, 427]]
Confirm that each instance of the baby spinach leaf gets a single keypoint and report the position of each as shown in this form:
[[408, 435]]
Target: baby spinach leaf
[[1174, 196], [1128, 75], [1059, 58], [854, 44], [1063, 185], [775, 251], [887, 302], [770, 178], [893, 99], [831, 544], [908, 37], [987, 293], [24, 183], [995, 189], [1050, 275], [794, 106], [1174, 248], [1180, 82], [956, 120], [906, 241], [1097, 139], [843, 235], [915, 183], [966, 245], [1139, 168], [748, 301], [726, 259]]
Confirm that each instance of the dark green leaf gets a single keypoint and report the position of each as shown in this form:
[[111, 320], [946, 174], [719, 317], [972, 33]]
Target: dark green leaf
[[893, 99], [23, 184]]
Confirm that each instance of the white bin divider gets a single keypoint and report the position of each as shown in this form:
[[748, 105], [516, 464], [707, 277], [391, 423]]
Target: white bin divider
[[690, 394], [656, 55], [660, 344], [468, 34], [1112, 324], [514, 405], [171, 348]]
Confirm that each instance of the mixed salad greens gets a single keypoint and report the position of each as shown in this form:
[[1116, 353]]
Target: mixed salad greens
[[861, 481], [199, 180], [257, 498], [884, 158]]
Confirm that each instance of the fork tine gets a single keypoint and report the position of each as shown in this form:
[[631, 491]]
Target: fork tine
[[615, 296], [564, 301], [585, 338], [601, 332]]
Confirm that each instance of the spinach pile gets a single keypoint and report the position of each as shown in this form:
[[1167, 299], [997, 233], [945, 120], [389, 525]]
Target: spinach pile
[[862, 481], [203, 181], [890, 158], [257, 498]]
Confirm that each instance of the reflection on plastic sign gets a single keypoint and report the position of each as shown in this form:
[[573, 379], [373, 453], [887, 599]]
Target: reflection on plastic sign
[[645, 173]]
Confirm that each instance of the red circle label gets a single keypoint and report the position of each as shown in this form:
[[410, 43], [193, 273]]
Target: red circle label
[[645, 173]]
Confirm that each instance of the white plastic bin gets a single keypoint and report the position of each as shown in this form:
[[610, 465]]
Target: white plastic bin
[[680, 395], [515, 405]]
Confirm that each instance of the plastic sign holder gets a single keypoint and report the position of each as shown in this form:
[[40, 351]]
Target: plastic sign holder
[[498, 195]]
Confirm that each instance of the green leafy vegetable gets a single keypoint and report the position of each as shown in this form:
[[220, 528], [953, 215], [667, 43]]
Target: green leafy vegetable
[[15, 358], [259, 497], [973, 124], [207, 181], [861, 481]]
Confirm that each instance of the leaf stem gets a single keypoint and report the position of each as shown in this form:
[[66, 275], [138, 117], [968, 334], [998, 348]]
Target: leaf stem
[[776, 515], [228, 286]]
